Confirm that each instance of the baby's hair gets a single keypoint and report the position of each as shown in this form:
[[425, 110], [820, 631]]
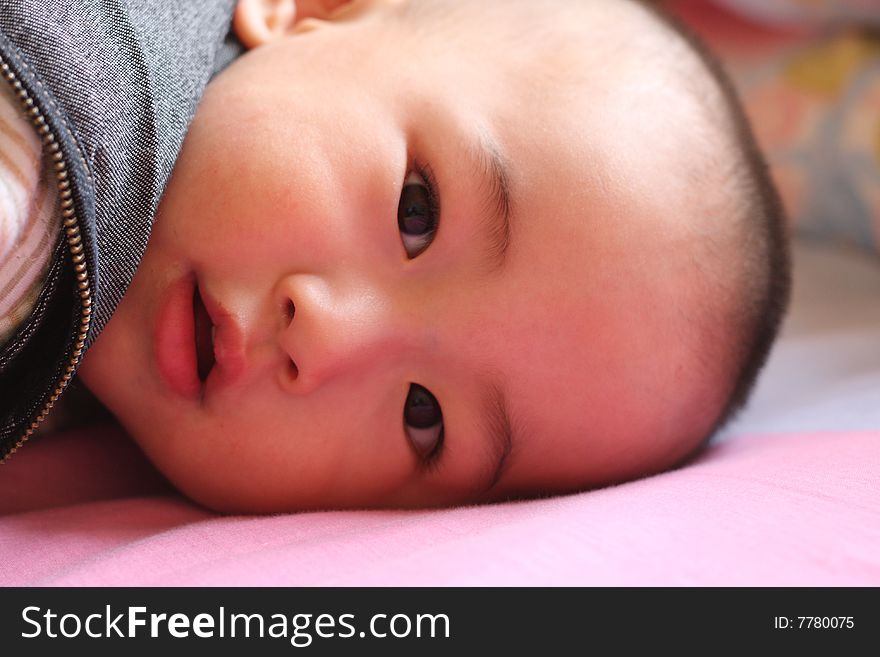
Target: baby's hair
[[763, 243]]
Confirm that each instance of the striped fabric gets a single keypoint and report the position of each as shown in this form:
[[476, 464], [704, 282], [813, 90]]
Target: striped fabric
[[28, 215]]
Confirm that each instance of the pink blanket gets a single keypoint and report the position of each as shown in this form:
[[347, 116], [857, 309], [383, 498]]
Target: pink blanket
[[783, 509]]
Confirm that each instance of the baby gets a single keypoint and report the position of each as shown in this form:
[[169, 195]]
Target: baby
[[419, 253]]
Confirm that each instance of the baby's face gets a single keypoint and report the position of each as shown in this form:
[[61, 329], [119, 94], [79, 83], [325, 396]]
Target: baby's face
[[543, 316]]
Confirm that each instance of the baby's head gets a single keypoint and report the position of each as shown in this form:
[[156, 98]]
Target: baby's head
[[420, 253]]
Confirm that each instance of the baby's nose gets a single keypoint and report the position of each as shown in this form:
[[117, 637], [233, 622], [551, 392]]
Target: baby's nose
[[333, 329]]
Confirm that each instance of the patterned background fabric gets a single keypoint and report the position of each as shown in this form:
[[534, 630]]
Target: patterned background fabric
[[809, 74], [816, 111]]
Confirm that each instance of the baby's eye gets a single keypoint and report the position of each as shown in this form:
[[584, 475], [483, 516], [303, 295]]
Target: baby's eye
[[417, 214], [423, 421]]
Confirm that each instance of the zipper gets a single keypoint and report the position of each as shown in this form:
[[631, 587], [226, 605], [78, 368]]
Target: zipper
[[71, 227]]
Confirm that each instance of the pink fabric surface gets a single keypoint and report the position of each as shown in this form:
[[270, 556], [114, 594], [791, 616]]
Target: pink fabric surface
[[781, 509]]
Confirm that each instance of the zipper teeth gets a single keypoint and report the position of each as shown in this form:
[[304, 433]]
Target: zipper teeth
[[74, 244]]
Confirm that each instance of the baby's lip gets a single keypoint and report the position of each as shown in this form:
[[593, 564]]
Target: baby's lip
[[176, 343], [174, 339], [229, 356]]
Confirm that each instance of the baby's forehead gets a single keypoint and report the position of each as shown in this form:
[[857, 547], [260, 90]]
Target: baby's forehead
[[541, 29], [540, 53]]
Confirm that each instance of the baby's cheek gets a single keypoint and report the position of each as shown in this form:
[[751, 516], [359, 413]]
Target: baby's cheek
[[217, 464]]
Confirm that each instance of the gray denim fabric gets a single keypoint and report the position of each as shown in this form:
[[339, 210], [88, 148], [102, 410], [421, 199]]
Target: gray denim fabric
[[118, 82]]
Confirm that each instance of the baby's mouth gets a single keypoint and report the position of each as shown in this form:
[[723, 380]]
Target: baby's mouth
[[204, 337]]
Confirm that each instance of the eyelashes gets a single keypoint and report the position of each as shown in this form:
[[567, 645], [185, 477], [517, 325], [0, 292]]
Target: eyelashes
[[418, 212], [423, 423]]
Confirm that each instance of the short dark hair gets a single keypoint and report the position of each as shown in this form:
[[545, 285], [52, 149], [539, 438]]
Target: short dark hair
[[763, 309]]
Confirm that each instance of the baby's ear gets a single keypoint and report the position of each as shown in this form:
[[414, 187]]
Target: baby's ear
[[258, 22]]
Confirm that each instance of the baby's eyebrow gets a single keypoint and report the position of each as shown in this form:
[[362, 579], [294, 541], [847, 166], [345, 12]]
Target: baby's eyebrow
[[498, 427], [493, 171]]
